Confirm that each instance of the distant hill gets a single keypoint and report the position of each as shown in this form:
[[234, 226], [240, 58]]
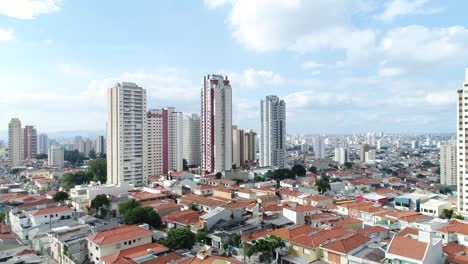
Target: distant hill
[[63, 135]]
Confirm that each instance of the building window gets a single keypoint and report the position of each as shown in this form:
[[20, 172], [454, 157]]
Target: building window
[[295, 248], [306, 251]]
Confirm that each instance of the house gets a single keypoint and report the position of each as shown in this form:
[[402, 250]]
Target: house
[[220, 214], [298, 214], [111, 241], [337, 251], [204, 256], [453, 231], [246, 194], [377, 233], [181, 219], [319, 200], [304, 248], [410, 201], [205, 189], [223, 192], [317, 219], [434, 207], [145, 252], [204, 203], [68, 244], [181, 175], [425, 248]]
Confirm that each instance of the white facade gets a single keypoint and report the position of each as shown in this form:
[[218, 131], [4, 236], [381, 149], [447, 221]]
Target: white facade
[[216, 124], [43, 144], [78, 144], [341, 155], [462, 147], [319, 147], [370, 155], [56, 156], [448, 163], [163, 147], [272, 132], [90, 191], [15, 142], [414, 144], [126, 105], [238, 138], [191, 139]]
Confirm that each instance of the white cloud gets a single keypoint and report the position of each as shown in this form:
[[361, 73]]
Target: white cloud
[[217, 3], [311, 65], [397, 8], [28, 9], [7, 34], [252, 78], [442, 98], [72, 70]]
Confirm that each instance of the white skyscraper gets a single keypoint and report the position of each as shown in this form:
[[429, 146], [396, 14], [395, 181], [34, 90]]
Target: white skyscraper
[[319, 147], [15, 142], [272, 132], [126, 109], [216, 124], [43, 144], [191, 139], [448, 163], [341, 155], [163, 141], [370, 155], [29, 142], [414, 144], [100, 145], [56, 156], [78, 144], [462, 147]]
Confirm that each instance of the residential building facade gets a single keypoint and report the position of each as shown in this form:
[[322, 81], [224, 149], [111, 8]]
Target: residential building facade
[[15, 142], [191, 139], [272, 132], [448, 163]]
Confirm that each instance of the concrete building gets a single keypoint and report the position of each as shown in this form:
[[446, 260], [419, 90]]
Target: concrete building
[[362, 151], [68, 243], [319, 147], [43, 144], [341, 155], [100, 145], [238, 144], [250, 142], [414, 144], [15, 142], [448, 163], [272, 132], [216, 125], [126, 109], [191, 139], [462, 147], [56, 156], [88, 146], [78, 144], [370, 155], [29, 142], [163, 150]]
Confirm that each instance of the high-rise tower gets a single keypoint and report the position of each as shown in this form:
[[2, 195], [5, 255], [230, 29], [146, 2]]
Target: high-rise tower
[[272, 132]]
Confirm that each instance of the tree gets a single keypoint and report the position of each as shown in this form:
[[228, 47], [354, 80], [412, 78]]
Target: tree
[[123, 207], [70, 179], [323, 184], [219, 175], [266, 247], [447, 214], [299, 170], [41, 156], [100, 201], [15, 171], [142, 215], [457, 216], [313, 169], [98, 168], [348, 165], [194, 207], [74, 157], [445, 190], [179, 238], [200, 235], [92, 154], [420, 176], [185, 165], [60, 196], [2, 216]]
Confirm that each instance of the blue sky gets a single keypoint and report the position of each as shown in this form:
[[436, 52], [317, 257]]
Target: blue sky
[[342, 66]]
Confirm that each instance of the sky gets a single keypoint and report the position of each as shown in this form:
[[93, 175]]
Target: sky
[[341, 66]]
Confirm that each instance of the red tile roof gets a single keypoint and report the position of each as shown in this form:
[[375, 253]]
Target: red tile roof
[[303, 208], [316, 240], [118, 234], [407, 247], [347, 244], [256, 235], [136, 252], [185, 217], [51, 210], [288, 233]]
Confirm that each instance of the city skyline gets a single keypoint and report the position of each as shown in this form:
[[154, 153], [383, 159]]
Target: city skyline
[[395, 75]]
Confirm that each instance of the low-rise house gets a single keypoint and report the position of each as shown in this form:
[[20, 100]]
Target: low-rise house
[[297, 214], [246, 194], [425, 248], [138, 254], [223, 192], [68, 244], [434, 208], [410, 201], [316, 220], [453, 231], [181, 219], [337, 251], [111, 241], [204, 203], [377, 233], [220, 215], [205, 189]]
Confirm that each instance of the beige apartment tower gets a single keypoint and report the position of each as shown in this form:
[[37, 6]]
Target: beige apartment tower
[[126, 109], [15, 142], [448, 163]]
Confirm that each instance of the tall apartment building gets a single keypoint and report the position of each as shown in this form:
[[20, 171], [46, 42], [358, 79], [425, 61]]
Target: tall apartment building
[[272, 132], [216, 124], [462, 147], [370, 155], [191, 139], [341, 155], [319, 147], [238, 145], [78, 144], [15, 142], [100, 145], [29, 142], [126, 109], [88, 145], [56, 156], [362, 151], [250, 145], [42, 144], [163, 148], [448, 163]]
